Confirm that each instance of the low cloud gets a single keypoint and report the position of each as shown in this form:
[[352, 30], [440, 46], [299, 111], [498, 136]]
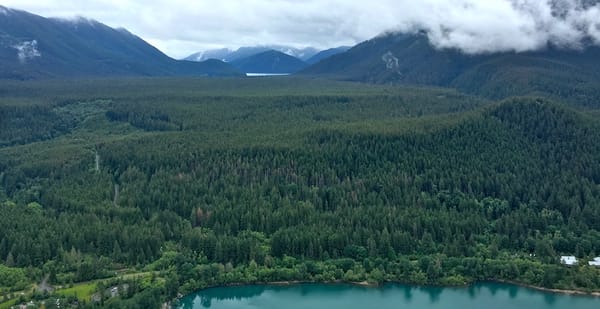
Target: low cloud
[[506, 25], [27, 50], [181, 27]]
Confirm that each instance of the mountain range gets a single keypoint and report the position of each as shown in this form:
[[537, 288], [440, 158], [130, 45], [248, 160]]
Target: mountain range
[[268, 59], [229, 55], [32, 46]]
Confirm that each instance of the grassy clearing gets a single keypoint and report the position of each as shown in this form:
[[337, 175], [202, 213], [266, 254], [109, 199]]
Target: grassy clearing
[[83, 291], [8, 304]]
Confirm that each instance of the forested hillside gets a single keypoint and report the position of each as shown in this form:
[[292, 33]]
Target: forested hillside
[[197, 182]]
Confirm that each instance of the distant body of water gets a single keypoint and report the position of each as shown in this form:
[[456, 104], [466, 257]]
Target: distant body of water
[[266, 74], [396, 296]]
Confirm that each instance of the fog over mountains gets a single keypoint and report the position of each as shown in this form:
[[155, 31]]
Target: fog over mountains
[[448, 42], [497, 26], [473, 26]]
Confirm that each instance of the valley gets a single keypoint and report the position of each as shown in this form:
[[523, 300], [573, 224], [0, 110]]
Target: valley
[[284, 178], [453, 162]]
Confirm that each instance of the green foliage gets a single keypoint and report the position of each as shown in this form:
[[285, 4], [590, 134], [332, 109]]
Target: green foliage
[[25, 124], [12, 278], [82, 291], [334, 182]]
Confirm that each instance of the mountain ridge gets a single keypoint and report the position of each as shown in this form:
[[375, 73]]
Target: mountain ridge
[[412, 59], [327, 53], [32, 46], [229, 55]]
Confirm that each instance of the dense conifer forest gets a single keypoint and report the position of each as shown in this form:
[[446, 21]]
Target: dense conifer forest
[[160, 187]]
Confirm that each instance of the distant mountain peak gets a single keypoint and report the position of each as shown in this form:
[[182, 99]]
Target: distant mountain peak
[[270, 61], [229, 55]]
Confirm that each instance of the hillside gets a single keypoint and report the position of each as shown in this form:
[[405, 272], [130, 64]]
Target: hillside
[[411, 59], [326, 54], [32, 46], [269, 62]]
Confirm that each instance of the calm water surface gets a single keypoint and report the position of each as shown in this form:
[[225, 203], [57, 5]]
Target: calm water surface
[[317, 296]]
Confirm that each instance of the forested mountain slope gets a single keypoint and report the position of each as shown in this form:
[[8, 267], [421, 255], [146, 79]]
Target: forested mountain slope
[[326, 54], [411, 59], [32, 47]]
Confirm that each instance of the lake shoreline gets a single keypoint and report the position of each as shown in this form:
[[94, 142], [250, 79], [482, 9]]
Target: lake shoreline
[[368, 284], [549, 290], [376, 285], [336, 294]]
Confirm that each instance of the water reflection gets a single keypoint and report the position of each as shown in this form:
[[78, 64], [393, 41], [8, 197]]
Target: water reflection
[[473, 290], [408, 294], [494, 288], [433, 293], [319, 296], [206, 297], [513, 290], [550, 299]]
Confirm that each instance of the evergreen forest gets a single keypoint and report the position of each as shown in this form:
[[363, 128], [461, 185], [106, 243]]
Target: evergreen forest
[[159, 187]]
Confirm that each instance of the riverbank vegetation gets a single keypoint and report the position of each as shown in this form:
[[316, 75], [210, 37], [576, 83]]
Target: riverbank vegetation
[[212, 182]]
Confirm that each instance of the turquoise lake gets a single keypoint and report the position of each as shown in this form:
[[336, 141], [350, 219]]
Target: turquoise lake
[[317, 296]]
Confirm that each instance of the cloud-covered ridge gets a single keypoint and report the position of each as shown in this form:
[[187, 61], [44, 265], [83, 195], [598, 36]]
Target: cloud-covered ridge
[[182, 27]]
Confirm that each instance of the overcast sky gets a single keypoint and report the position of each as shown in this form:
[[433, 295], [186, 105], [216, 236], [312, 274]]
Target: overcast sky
[[181, 27]]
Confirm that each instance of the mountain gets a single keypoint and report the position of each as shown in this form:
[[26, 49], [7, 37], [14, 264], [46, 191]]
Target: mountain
[[229, 55], [411, 59], [219, 54], [326, 54], [271, 61], [32, 46]]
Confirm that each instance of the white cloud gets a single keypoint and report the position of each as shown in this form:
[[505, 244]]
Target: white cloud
[[27, 50], [181, 27]]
